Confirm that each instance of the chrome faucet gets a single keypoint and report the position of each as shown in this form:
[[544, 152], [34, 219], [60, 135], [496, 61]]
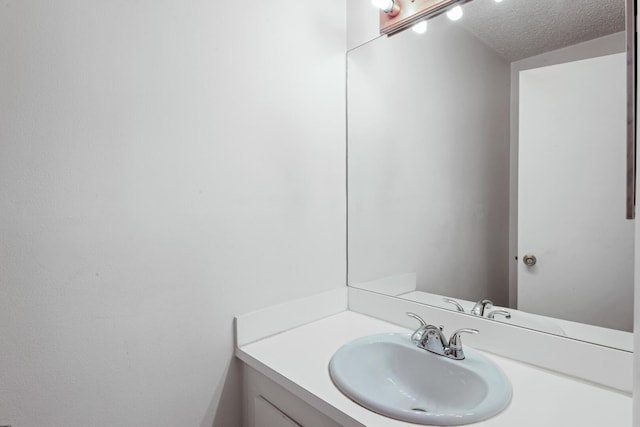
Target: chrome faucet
[[477, 310], [481, 306], [431, 338]]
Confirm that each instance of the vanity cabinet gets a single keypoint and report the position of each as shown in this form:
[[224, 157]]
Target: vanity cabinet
[[267, 404], [267, 415]]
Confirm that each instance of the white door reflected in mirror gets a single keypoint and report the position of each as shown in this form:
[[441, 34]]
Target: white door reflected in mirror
[[571, 193]]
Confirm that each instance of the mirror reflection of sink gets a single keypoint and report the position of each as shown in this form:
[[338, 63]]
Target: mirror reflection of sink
[[388, 374]]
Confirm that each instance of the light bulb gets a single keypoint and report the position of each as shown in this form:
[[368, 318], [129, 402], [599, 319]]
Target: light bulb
[[420, 27], [390, 7], [455, 13], [385, 5]]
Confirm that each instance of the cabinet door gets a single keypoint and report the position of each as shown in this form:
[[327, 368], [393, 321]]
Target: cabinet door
[[267, 415]]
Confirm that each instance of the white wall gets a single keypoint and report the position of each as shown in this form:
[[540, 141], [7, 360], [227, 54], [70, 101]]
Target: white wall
[[164, 165], [362, 22], [428, 162]]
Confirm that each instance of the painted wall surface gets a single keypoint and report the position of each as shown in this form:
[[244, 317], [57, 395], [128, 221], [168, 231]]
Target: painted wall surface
[[362, 23], [164, 166], [428, 162]]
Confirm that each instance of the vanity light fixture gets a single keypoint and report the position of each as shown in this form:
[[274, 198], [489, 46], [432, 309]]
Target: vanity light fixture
[[455, 13], [398, 15], [420, 27], [390, 7]]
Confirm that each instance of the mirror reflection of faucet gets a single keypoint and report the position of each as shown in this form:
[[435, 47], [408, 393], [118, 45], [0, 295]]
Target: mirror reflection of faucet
[[454, 302], [504, 313], [480, 308]]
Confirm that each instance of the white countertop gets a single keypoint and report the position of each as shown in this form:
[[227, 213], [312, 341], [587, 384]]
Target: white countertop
[[298, 360]]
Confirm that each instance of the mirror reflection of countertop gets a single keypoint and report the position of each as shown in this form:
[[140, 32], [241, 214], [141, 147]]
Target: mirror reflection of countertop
[[298, 359]]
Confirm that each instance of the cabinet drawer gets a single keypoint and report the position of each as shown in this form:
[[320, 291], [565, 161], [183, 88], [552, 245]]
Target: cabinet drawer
[[267, 415]]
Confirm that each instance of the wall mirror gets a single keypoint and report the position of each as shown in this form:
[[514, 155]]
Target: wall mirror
[[487, 160]]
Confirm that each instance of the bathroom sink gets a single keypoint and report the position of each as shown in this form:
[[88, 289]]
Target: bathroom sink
[[388, 374]]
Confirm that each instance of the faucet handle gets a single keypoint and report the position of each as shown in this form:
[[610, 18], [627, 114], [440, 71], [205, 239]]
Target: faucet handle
[[418, 318], [504, 313], [454, 302], [416, 336], [455, 343]]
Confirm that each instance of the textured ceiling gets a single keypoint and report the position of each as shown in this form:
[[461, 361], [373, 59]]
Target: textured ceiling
[[519, 29]]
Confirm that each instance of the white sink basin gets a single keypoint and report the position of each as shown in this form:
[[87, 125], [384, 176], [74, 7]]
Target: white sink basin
[[388, 374]]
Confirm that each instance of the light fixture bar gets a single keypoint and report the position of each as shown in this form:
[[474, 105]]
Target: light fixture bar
[[413, 11]]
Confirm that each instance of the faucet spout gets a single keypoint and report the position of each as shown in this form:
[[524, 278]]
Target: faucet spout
[[481, 306], [431, 338], [434, 340]]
